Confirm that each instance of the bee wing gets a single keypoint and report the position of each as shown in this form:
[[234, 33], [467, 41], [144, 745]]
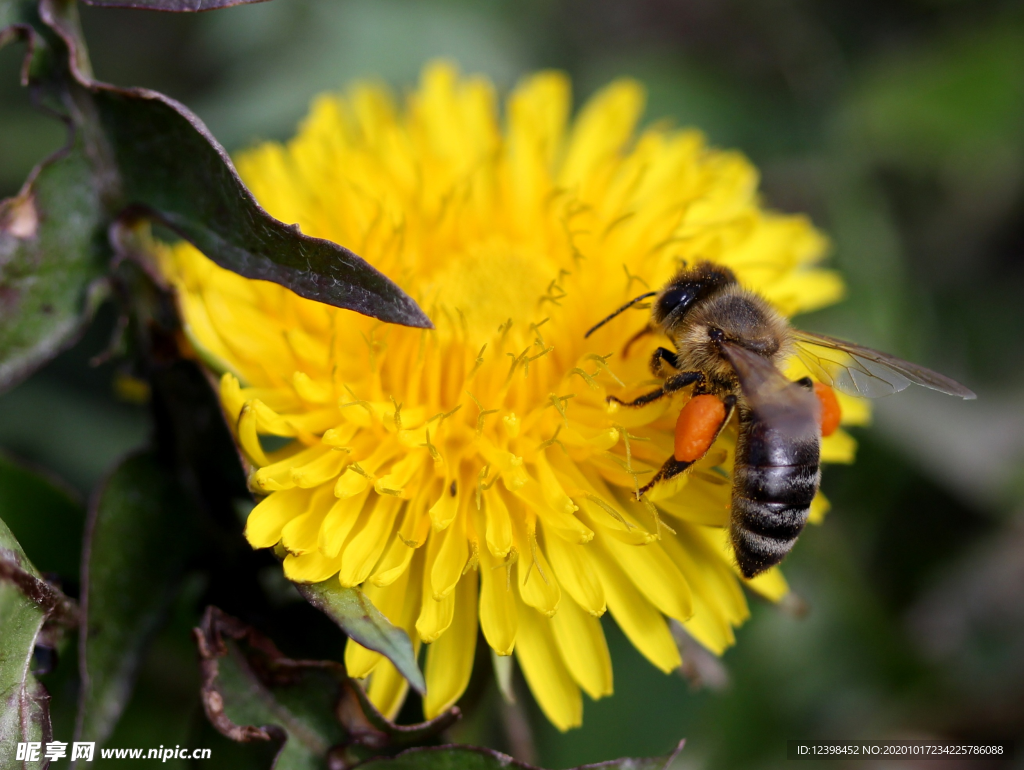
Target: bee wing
[[787, 407], [861, 371]]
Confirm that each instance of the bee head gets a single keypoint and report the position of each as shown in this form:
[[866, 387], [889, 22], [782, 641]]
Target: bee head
[[689, 288]]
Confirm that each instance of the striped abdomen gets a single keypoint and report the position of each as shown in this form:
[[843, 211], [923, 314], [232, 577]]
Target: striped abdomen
[[775, 478]]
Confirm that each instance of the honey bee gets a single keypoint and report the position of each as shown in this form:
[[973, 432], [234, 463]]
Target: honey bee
[[729, 344]]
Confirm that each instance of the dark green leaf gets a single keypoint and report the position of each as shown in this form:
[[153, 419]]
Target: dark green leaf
[[138, 540], [36, 506], [474, 758], [253, 694], [52, 234], [27, 602], [51, 252], [350, 609], [171, 5]]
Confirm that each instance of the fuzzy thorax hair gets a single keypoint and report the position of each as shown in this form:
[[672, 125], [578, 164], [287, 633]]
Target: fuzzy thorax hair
[[744, 317]]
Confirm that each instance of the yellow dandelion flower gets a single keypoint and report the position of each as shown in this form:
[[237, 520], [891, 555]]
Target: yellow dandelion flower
[[473, 476]]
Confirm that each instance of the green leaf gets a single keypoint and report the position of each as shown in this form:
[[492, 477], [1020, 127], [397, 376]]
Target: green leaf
[[35, 506], [317, 715], [475, 758], [138, 540], [27, 603], [52, 244], [350, 609], [298, 717], [52, 254]]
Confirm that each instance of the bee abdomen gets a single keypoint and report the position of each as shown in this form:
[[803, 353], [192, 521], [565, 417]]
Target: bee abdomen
[[764, 532], [793, 484], [778, 521], [773, 486]]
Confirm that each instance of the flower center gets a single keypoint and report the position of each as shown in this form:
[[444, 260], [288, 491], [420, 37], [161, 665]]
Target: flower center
[[488, 284]]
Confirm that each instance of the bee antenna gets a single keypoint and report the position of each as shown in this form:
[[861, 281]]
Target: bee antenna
[[627, 306]]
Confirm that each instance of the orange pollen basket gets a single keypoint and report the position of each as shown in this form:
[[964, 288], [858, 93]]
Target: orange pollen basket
[[697, 427], [831, 412]]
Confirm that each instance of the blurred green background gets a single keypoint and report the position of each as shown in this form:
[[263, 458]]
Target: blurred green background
[[897, 125]]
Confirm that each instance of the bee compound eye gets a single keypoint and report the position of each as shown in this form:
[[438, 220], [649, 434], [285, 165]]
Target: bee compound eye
[[670, 300]]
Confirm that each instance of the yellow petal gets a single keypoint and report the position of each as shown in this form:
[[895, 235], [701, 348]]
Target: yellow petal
[[248, 436], [401, 476], [840, 447], [416, 524], [654, 573], [359, 661], [550, 682], [278, 475], [604, 124], [691, 550], [443, 511], [583, 647], [365, 545], [710, 623], [350, 483], [538, 109], [450, 658], [499, 526], [312, 567], [231, 396], [538, 586], [300, 534], [435, 615], [819, 507], [267, 519], [451, 558], [388, 688], [855, 411], [703, 503], [556, 520], [319, 470], [339, 523], [770, 584], [499, 619], [642, 624], [805, 291], [572, 567], [394, 563], [311, 390]]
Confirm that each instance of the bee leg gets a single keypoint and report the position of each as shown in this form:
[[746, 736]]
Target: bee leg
[[669, 470], [639, 335], [674, 467], [661, 358], [672, 384]]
